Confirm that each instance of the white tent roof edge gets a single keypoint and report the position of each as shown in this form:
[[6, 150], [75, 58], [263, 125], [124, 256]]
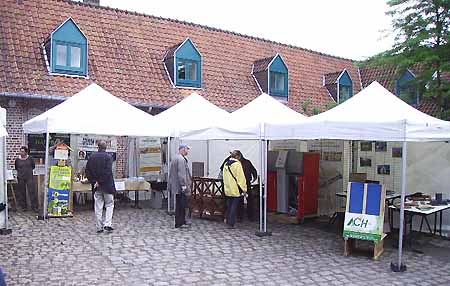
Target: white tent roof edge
[[94, 110]]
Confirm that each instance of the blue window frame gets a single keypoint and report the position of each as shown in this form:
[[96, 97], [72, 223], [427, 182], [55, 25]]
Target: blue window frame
[[188, 65], [69, 50], [69, 57], [278, 78], [345, 87], [407, 90], [188, 73]]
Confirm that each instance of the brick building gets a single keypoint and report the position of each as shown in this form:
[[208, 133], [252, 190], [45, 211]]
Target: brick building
[[51, 49]]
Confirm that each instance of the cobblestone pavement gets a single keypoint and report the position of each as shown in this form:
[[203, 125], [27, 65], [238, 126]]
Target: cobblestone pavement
[[145, 249]]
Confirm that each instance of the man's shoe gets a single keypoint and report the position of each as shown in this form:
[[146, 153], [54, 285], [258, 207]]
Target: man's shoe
[[99, 230], [177, 225], [108, 228]]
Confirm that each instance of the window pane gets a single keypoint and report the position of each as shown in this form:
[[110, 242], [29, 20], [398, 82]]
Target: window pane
[[408, 93], [181, 70], [75, 57], [344, 92], [61, 55], [192, 71], [279, 82]]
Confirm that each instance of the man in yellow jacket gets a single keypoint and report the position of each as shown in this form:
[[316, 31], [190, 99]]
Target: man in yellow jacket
[[234, 184]]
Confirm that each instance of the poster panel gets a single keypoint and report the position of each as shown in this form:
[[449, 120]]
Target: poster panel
[[363, 226], [59, 191], [149, 156]]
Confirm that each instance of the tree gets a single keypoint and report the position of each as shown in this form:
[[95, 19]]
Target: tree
[[422, 41]]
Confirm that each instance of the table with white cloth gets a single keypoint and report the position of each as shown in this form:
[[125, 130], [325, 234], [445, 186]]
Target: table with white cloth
[[125, 185], [424, 213]]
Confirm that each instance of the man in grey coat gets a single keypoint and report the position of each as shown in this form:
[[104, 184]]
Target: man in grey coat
[[180, 184]]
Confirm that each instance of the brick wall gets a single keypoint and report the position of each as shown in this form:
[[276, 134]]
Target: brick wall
[[26, 109]]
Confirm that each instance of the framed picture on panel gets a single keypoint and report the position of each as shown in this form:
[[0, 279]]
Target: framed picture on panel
[[366, 146], [384, 169], [396, 152], [380, 146], [365, 162]]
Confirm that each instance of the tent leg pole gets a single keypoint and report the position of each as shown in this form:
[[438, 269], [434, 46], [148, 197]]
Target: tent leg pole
[[43, 215], [400, 267], [261, 168], [207, 158], [169, 195], [263, 193], [265, 187], [6, 230]]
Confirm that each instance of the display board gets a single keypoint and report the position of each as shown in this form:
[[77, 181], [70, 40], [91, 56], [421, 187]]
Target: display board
[[334, 166], [381, 161], [85, 145], [364, 214], [59, 191], [36, 143], [149, 157]]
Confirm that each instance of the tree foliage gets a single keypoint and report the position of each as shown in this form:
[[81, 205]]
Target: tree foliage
[[422, 42]]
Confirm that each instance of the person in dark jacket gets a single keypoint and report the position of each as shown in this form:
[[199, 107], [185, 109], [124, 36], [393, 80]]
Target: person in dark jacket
[[250, 176], [2, 278], [24, 166], [99, 174]]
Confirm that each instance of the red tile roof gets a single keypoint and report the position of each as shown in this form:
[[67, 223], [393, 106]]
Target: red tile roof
[[331, 78], [429, 106], [262, 64], [386, 76], [126, 51]]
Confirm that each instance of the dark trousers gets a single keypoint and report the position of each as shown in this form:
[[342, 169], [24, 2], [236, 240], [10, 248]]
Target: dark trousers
[[250, 206], [232, 205], [180, 209], [24, 185]]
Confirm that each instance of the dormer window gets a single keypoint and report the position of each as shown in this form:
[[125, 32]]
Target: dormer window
[[183, 62], [339, 85], [406, 90], [271, 75], [66, 50]]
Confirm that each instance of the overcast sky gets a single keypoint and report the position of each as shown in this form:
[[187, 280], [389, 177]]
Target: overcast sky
[[348, 28]]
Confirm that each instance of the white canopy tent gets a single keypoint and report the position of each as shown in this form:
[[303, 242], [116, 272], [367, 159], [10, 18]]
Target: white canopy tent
[[93, 110], [372, 114], [3, 187], [191, 114], [249, 122]]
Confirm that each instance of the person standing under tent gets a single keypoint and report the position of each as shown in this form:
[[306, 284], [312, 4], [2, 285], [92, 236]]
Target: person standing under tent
[[234, 184], [250, 176], [2, 278], [180, 184], [100, 175], [24, 166]]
